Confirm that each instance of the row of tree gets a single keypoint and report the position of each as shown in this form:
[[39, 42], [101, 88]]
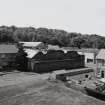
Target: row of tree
[[51, 36]]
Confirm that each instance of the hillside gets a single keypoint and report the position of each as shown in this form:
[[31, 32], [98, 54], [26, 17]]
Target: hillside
[[51, 36]]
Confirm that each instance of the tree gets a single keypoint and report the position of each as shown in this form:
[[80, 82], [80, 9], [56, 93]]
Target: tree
[[101, 88], [15, 34], [21, 60], [77, 42]]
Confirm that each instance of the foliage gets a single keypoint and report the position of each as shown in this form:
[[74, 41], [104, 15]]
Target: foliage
[[101, 88], [51, 36], [77, 41]]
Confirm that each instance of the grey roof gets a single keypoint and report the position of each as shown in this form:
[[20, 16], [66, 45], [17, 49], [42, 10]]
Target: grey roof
[[8, 48], [53, 47], [31, 44], [31, 53], [86, 50]]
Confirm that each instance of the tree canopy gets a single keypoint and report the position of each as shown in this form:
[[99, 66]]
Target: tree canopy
[[14, 34]]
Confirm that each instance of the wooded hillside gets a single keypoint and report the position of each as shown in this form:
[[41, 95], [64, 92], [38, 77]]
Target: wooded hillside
[[51, 36]]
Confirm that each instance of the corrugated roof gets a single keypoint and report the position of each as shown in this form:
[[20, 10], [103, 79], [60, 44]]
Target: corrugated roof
[[101, 54], [31, 44], [8, 48]]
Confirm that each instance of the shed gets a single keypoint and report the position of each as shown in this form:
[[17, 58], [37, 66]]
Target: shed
[[7, 54], [54, 60], [90, 54], [100, 59]]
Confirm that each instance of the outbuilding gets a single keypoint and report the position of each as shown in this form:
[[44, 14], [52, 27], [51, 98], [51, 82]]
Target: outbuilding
[[100, 59], [7, 55]]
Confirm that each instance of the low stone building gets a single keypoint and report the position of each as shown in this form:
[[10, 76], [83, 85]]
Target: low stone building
[[47, 58], [54, 60], [7, 55], [32, 48], [89, 53]]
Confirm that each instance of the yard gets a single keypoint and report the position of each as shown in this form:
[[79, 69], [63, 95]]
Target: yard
[[19, 88]]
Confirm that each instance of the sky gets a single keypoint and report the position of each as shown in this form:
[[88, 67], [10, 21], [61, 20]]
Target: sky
[[82, 16]]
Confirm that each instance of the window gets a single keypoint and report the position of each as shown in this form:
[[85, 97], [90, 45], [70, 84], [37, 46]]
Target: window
[[89, 60], [102, 74]]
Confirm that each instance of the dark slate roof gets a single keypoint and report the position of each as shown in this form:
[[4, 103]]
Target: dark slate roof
[[8, 48]]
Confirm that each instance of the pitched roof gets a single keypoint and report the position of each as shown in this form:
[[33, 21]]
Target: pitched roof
[[53, 47], [101, 54], [8, 48], [31, 53], [85, 50], [31, 44]]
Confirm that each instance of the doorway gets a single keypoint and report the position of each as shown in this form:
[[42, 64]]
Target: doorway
[[102, 74]]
